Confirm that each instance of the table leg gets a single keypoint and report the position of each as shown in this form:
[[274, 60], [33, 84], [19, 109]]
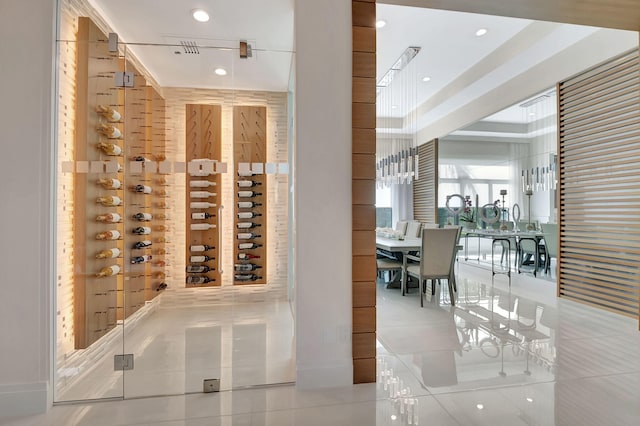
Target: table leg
[[403, 280]]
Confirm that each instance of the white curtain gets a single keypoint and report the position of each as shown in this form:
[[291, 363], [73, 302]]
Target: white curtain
[[401, 202]]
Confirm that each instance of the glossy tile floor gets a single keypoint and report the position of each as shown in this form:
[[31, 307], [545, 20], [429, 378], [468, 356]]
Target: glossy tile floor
[[501, 356], [175, 349]]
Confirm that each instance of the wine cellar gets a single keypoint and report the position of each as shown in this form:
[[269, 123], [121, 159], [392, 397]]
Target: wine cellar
[[128, 184]]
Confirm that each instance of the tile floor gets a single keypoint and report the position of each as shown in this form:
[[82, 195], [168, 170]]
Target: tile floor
[[502, 356]]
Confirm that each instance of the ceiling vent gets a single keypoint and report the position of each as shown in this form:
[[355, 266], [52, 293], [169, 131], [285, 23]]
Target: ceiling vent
[[190, 47]]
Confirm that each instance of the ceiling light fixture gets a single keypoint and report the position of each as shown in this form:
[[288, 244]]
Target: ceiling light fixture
[[425, 79], [380, 23], [200, 15], [480, 406], [481, 32], [403, 61], [220, 71]]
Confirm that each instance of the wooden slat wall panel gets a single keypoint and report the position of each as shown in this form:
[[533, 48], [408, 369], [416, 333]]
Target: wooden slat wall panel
[[425, 189], [363, 191], [599, 187]]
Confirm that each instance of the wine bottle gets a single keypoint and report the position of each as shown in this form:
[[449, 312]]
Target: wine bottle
[[109, 271], [246, 277], [159, 263], [247, 236], [202, 215], [111, 200], [201, 205], [160, 251], [142, 244], [202, 194], [140, 158], [248, 246], [143, 189], [162, 286], [160, 157], [109, 113], [247, 225], [248, 215], [163, 239], [200, 259], [159, 275], [161, 181], [246, 267], [248, 194], [161, 228], [143, 217], [109, 148], [161, 205], [108, 254], [162, 216], [247, 204], [141, 259], [198, 269], [201, 226], [247, 256], [110, 131], [109, 218], [108, 235], [246, 174], [248, 183], [193, 279], [110, 183], [201, 184], [201, 248], [141, 230]]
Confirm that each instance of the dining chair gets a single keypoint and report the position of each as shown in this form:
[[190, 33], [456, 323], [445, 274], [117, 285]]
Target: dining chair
[[401, 226], [550, 231], [436, 260], [388, 265], [459, 248], [413, 229]]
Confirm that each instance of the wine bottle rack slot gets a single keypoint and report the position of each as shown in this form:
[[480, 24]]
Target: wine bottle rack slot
[[204, 139], [117, 273], [250, 227]]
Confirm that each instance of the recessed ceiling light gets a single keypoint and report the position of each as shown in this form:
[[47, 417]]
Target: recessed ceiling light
[[529, 399], [481, 32], [200, 15], [479, 406], [394, 106], [532, 114], [380, 23], [220, 71], [425, 79]]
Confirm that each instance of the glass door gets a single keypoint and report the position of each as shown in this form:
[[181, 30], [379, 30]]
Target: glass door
[[173, 213]]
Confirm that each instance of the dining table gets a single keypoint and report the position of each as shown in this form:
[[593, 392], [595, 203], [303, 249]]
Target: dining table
[[404, 246], [500, 236]]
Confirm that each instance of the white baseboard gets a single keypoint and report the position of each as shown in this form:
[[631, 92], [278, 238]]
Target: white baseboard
[[23, 399]]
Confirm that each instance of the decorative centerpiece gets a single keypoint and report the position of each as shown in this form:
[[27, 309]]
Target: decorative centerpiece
[[503, 225], [468, 217]]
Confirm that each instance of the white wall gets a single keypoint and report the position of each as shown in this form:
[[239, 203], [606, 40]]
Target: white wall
[[323, 192], [27, 34]]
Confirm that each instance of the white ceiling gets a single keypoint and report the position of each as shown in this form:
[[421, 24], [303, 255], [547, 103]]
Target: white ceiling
[[468, 72], [266, 25], [464, 69]]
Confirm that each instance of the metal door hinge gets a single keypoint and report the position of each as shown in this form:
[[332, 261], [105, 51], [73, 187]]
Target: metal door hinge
[[123, 362]]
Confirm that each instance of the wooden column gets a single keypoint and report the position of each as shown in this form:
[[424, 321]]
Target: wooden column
[[204, 142], [363, 191]]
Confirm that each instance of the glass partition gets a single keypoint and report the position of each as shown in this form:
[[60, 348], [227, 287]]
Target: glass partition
[[173, 228]]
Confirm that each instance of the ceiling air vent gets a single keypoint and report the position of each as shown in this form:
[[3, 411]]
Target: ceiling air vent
[[190, 47]]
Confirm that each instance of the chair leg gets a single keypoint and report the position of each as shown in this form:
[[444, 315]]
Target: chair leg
[[433, 287], [421, 293], [451, 294]]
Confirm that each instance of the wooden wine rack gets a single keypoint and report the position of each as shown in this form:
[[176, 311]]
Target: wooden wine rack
[[204, 141], [99, 303], [250, 146]]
